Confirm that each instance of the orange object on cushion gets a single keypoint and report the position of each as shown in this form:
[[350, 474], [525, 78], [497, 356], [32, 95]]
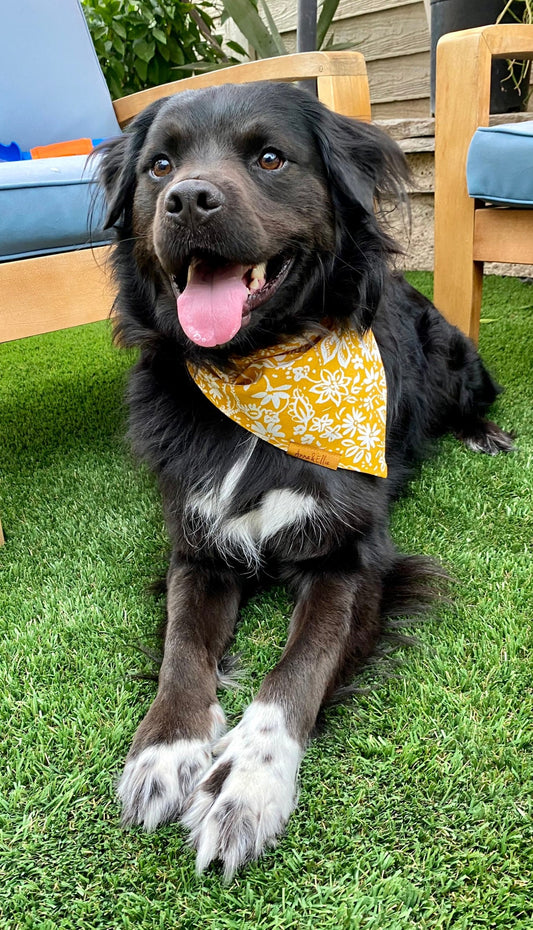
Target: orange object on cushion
[[58, 149]]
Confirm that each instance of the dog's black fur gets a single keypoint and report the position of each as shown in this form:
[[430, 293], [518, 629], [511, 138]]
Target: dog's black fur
[[319, 207]]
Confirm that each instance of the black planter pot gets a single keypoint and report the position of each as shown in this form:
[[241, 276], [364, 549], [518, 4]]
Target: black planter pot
[[454, 15]]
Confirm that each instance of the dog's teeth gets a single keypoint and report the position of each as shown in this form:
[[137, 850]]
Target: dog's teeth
[[192, 265], [257, 277], [258, 273]]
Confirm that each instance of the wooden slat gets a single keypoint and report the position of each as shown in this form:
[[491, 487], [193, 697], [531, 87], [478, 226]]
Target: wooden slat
[[285, 68], [40, 295], [399, 78], [286, 14], [503, 235], [352, 8], [397, 109], [398, 32]]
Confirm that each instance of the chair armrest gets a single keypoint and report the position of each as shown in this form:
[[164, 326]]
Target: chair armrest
[[341, 79]]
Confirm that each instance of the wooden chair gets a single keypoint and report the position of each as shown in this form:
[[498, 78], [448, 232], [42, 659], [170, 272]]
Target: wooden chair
[[66, 289], [469, 232]]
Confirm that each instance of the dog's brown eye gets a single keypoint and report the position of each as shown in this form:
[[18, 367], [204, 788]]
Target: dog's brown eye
[[271, 160], [160, 167]]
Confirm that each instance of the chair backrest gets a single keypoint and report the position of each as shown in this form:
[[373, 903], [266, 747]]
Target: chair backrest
[[51, 85], [341, 78]]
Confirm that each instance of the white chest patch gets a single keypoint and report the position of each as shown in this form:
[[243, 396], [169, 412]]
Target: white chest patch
[[245, 535]]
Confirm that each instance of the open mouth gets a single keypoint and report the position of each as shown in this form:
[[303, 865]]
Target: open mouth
[[216, 297]]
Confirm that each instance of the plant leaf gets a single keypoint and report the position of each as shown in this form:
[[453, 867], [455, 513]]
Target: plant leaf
[[273, 28], [247, 19], [141, 68], [120, 29], [332, 46], [235, 47], [144, 50], [327, 12]]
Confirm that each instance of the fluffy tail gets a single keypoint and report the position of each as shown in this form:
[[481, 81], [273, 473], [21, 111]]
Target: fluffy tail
[[411, 588]]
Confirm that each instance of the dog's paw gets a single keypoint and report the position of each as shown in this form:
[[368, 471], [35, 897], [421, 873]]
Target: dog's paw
[[489, 438], [156, 784], [158, 780], [244, 801]]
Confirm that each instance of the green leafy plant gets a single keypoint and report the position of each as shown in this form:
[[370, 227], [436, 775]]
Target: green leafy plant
[[141, 43]]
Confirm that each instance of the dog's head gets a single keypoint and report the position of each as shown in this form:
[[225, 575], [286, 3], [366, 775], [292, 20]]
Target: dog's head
[[247, 212]]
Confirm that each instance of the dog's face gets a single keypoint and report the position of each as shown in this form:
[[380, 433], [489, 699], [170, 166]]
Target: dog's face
[[242, 201], [228, 195]]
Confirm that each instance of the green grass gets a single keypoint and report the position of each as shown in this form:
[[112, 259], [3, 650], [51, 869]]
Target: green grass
[[415, 807]]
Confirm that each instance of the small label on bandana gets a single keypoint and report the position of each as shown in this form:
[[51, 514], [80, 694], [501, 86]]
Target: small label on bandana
[[319, 398], [317, 456]]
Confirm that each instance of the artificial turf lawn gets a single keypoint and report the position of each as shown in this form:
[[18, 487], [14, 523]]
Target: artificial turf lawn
[[415, 805]]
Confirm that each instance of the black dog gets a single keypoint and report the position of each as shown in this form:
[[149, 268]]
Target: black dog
[[255, 207]]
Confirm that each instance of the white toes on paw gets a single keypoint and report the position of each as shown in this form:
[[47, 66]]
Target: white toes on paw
[[155, 784], [490, 439], [245, 799]]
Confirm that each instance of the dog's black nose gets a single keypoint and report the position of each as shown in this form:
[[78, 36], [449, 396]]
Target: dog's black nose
[[193, 202]]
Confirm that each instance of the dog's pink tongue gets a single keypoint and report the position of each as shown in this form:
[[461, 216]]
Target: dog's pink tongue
[[210, 308]]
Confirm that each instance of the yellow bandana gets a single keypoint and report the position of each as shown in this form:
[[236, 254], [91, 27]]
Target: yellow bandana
[[323, 399]]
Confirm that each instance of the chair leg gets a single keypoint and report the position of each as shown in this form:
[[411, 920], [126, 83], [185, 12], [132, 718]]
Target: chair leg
[[2, 540], [458, 285], [458, 279]]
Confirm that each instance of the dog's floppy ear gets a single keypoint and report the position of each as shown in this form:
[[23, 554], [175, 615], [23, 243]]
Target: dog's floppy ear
[[363, 167], [117, 167], [363, 164]]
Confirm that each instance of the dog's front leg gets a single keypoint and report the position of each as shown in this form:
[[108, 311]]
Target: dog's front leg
[[245, 800], [172, 746]]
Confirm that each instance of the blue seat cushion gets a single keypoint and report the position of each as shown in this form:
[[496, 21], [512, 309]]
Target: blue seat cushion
[[500, 164], [47, 206]]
